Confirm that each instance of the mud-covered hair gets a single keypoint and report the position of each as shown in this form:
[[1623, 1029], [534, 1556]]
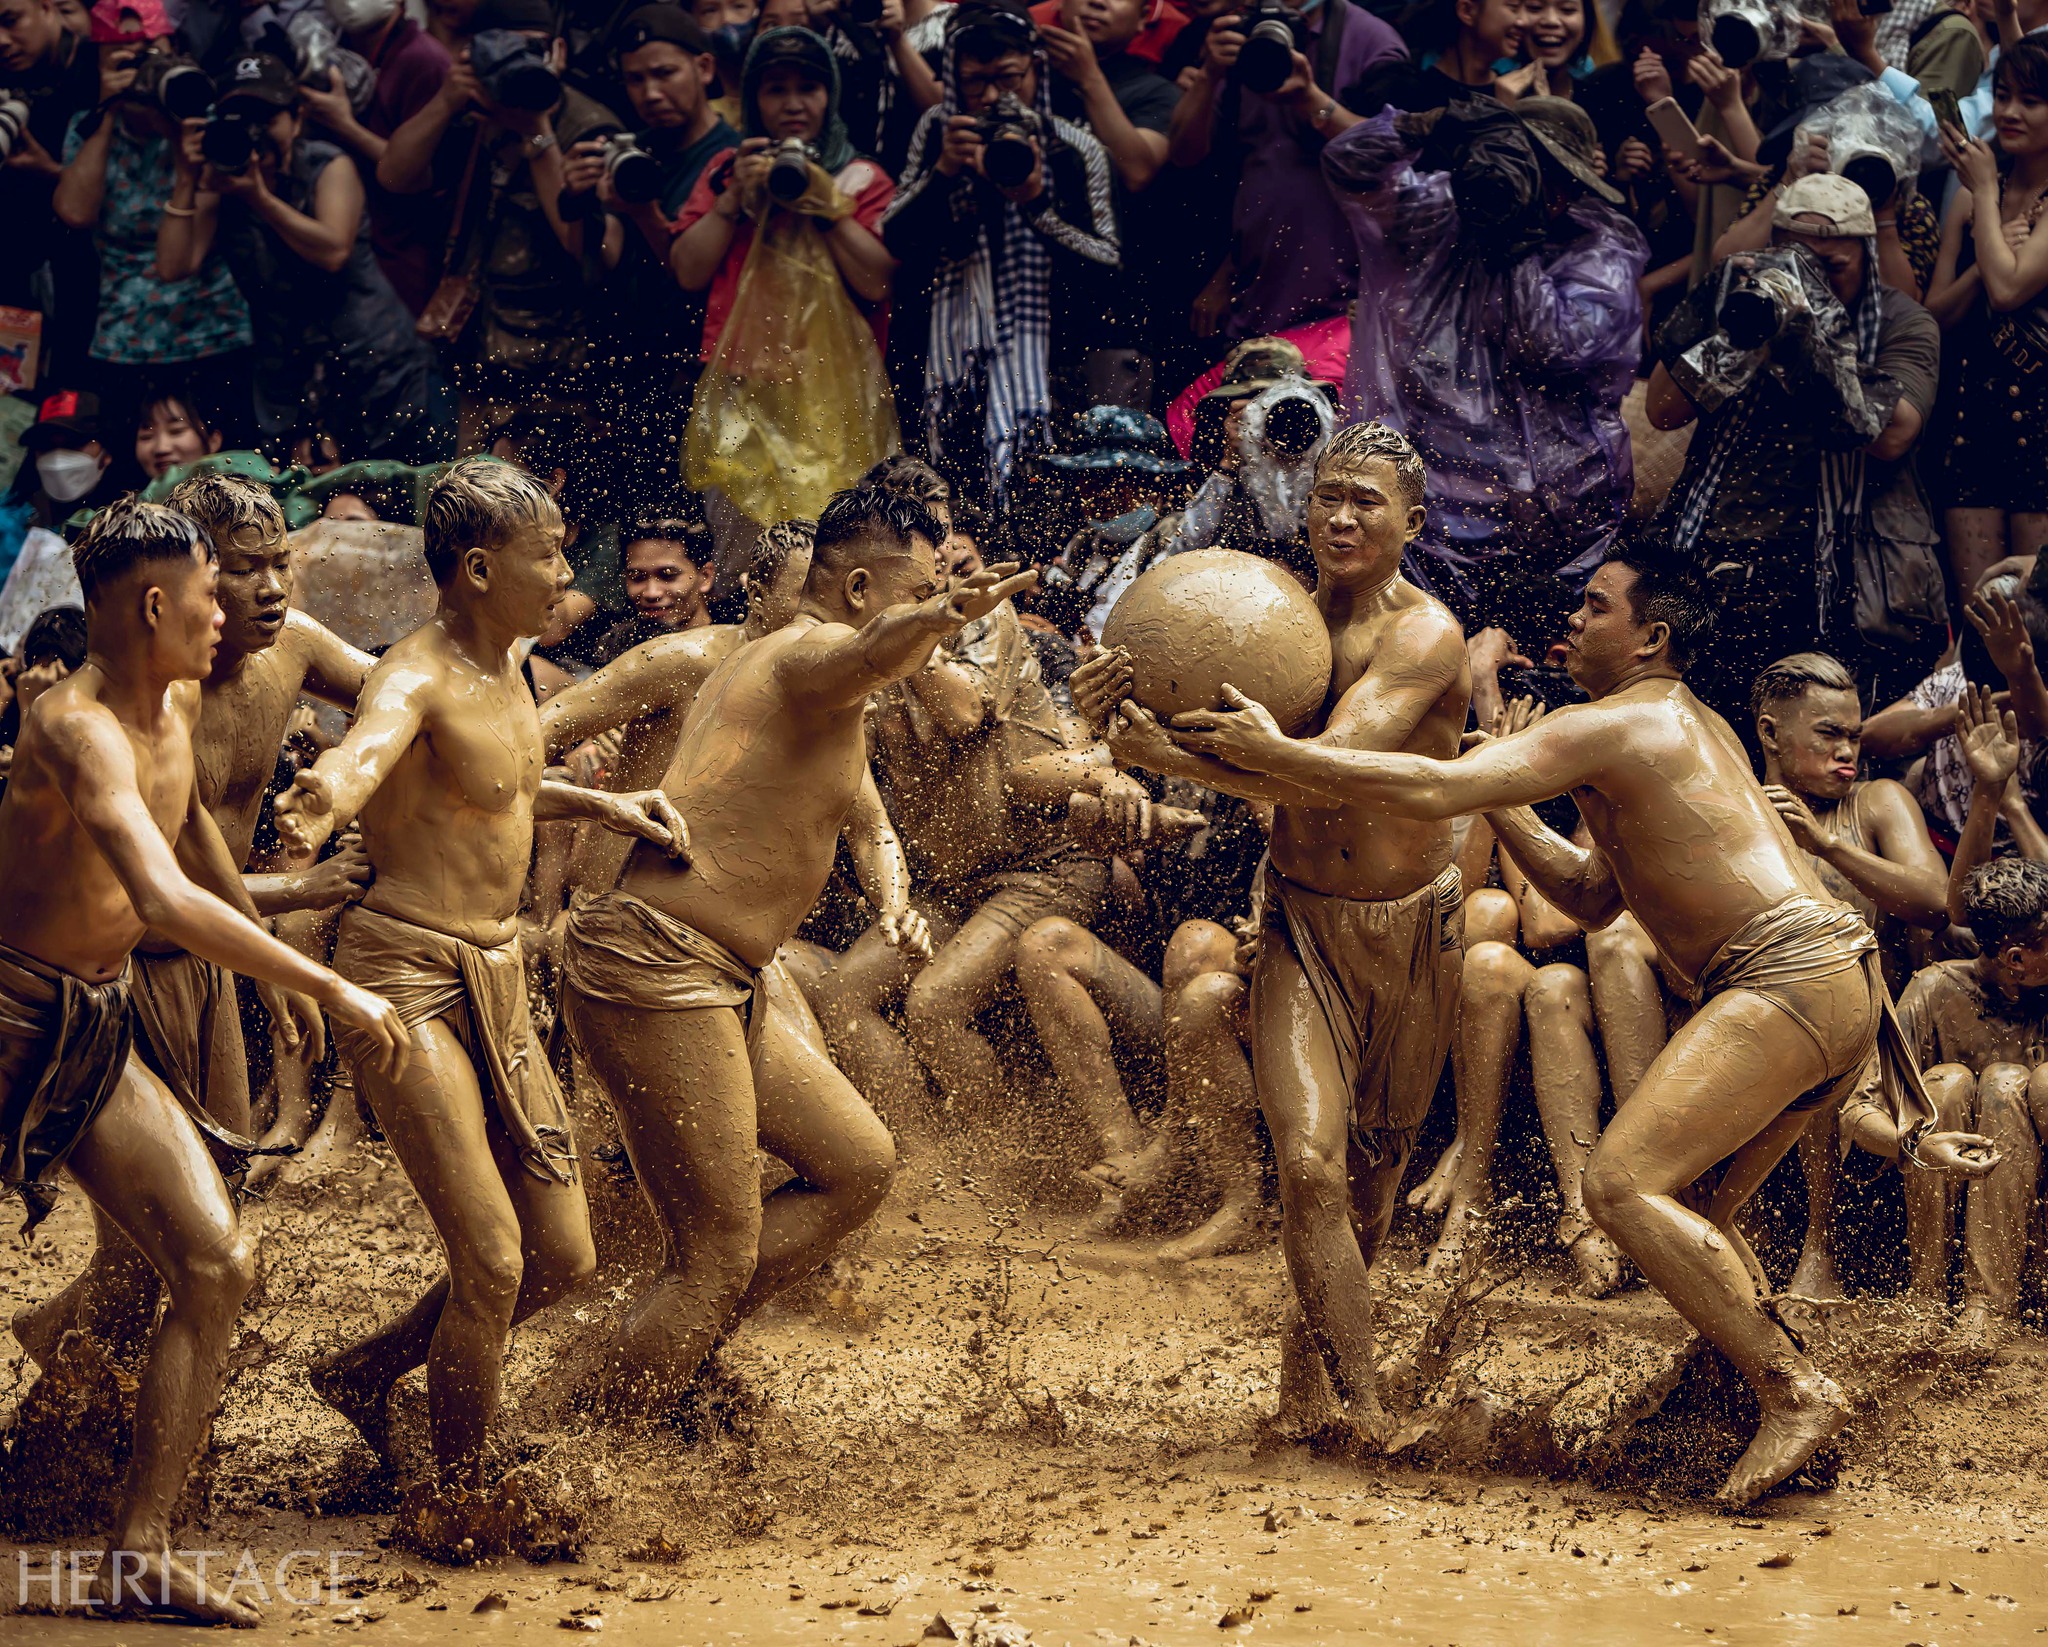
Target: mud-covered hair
[[129, 533], [1666, 592], [2007, 902], [1791, 678], [909, 477], [1376, 440], [863, 513], [222, 505], [774, 547], [479, 503]]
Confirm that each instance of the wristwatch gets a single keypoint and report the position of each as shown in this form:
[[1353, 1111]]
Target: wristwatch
[[540, 143]]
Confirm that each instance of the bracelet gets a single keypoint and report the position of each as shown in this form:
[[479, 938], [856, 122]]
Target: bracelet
[[179, 211], [540, 142]]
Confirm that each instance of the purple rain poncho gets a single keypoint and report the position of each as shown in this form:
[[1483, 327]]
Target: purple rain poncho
[[1508, 380]]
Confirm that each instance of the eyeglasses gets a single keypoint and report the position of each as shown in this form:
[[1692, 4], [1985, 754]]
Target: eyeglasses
[[1010, 80]]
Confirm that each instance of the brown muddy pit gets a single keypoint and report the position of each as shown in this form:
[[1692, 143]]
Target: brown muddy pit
[[977, 1416]]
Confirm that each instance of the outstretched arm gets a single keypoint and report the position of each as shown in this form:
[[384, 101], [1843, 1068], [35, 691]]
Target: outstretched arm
[[336, 672], [651, 678], [327, 795], [1557, 754], [94, 765], [837, 667]]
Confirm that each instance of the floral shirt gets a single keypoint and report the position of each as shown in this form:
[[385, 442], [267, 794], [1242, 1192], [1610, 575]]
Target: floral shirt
[[144, 320]]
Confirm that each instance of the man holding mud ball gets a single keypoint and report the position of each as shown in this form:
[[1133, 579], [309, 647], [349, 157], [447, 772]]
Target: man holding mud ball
[[1789, 1003], [1355, 990]]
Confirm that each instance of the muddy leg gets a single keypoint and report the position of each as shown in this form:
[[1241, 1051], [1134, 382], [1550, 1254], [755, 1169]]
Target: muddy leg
[[1930, 1217], [1491, 916], [1489, 1030], [1996, 1210], [1567, 1080], [850, 998], [1210, 1092], [1628, 1000], [1820, 1161], [1084, 998], [940, 1009], [1729, 1072], [146, 1166], [683, 1087]]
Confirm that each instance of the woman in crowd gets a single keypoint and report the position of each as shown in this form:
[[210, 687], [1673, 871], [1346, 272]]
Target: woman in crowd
[[172, 429], [1990, 291], [119, 168], [286, 211]]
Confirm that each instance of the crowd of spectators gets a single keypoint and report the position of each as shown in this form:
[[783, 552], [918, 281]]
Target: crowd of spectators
[[1774, 292]]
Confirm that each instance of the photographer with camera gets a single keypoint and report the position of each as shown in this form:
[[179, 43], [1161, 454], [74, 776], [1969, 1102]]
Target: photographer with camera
[[519, 277], [1811, 380], [48, 75], [1271, 87], [1498, 326], [287, 213], [783, 237], [1007, 241], [119, 166]]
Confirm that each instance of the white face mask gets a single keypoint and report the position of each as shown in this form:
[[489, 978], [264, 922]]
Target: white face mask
[[68, 476], [358, 16]]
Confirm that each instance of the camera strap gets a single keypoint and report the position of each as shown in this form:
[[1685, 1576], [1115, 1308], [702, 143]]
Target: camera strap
[[1336, 13]]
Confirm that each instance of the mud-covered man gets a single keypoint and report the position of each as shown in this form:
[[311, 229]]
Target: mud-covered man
[[662, 975], [188, 1027], [444, 768], [1789, 1004], [106, 837], [1355, 991]]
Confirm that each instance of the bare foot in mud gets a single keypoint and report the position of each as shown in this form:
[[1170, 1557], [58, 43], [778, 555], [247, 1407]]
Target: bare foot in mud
[[1979, 1336], [1809, 1410], [365, 1404], [1236, 1226], [1132, 1169], [1462, 1246], [1815, 1276], [37, 1329], [1601, 1265], [154, 1582], [1433, 1194], [457, 1526]]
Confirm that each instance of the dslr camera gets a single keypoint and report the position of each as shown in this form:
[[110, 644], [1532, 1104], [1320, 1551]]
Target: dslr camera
[[1273, 33], [175, 84], [1872, 141], [1289, 422], [1772, 308], [513, 71], [228, 141], [789, 170], [1743, 32], [635, 175], [13, 122], [1007, 131]]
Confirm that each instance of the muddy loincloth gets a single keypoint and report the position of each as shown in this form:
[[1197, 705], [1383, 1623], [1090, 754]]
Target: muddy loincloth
[[481, 991], [1073, 888], [1385, 974], [1788, 955], [63, 1045], [181, 1003], [622, 950]]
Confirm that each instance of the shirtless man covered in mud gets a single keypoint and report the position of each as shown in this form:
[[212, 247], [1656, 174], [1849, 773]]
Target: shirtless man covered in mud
[[1789, 1004], [188, 1026], [106, 838], [1354, 994], [661, 976], [444, 767]]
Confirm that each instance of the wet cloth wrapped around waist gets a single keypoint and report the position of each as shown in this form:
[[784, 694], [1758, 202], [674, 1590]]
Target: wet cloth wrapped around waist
[[481, 989], [1802, 941], [623, 950], [52, 1089]]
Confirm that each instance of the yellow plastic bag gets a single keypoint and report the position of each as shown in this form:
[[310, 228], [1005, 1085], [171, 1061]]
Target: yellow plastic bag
[[794, 403]]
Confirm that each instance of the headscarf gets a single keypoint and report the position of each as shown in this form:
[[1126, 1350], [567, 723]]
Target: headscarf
[[775, 48]]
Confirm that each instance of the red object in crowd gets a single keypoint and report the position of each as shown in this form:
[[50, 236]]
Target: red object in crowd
[[1325, 344], [116, 22], [1155, 34]]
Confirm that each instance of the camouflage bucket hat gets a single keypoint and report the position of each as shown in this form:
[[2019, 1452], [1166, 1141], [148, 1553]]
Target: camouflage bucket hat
[[1118, 437]]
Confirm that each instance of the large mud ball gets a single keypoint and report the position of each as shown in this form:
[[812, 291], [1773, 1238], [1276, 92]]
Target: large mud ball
[[1212, 616]]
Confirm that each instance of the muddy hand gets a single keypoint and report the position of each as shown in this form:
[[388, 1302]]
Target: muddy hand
[[987, 589], [906, 930], [1099, 685], [1136, 738], [651, 815], [1807, 834], [1966, 1154], [1242, 732], [377, 1018], [297, 1020], [304, 813]]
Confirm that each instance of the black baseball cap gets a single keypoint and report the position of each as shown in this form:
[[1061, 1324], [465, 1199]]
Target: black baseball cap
[[663, 22], [524, 16], [257, 77], [67, 420]]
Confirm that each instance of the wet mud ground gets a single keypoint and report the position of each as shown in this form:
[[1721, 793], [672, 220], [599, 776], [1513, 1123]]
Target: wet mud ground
[[982, 1419]]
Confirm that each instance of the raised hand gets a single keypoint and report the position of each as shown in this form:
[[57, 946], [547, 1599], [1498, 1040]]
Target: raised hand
[[1996, 616], [985, 590], [1099, 684], [1990, 738]]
